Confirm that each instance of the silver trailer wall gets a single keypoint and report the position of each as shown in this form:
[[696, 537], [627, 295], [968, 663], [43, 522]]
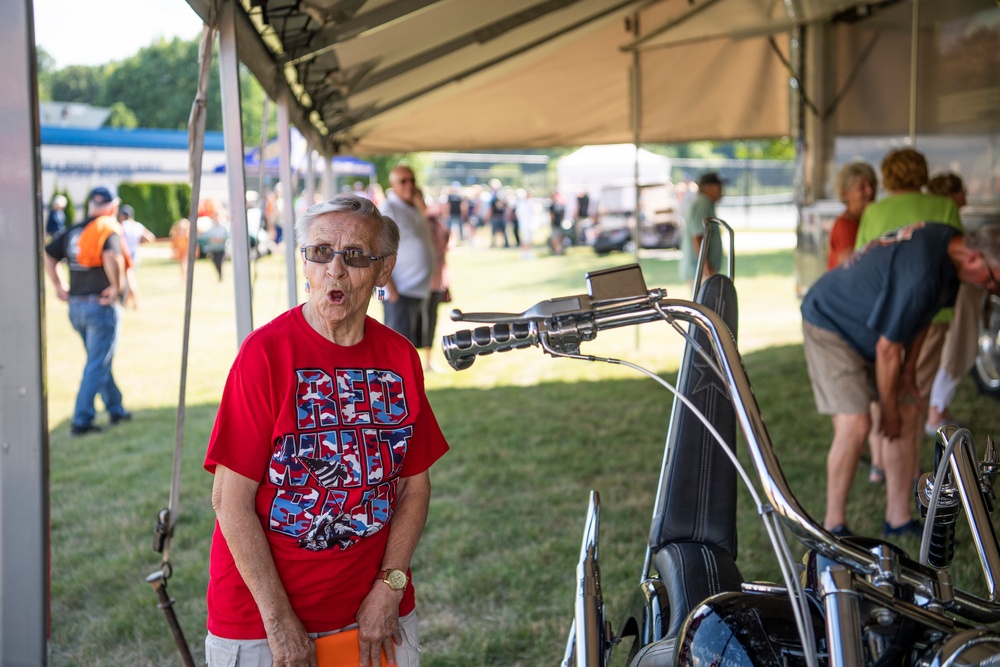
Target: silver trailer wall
[[24, 520]]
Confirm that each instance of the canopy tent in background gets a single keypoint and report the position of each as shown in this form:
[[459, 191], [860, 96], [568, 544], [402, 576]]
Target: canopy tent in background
[[592, 168], [343, 165]]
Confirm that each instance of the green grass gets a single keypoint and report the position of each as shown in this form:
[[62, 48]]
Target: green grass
[[530, 437]]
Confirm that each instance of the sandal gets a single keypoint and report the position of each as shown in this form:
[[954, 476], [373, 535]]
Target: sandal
[[876, 475]]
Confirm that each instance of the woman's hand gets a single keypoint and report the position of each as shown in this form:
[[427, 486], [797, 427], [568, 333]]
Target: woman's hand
[[290, 645], [378, 625]]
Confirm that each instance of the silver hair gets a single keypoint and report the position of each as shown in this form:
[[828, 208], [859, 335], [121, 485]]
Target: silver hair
[[850, 173], [388, 232], [984, 238]]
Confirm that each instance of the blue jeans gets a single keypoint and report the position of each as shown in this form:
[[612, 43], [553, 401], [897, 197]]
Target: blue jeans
[[98, 326]]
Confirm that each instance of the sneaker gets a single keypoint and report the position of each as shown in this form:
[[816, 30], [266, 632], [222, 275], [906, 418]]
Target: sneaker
[[84, 429], [911, 528], [841, 530], [125, 416], [932, 429]]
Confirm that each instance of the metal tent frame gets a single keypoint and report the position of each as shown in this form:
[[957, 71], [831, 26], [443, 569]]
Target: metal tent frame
[[364, 75]]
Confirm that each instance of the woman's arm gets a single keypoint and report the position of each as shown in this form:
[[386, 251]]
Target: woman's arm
[[378, 617], [233, 500]]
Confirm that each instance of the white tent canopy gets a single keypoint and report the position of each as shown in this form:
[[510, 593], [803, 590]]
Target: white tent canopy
[[592, 168]]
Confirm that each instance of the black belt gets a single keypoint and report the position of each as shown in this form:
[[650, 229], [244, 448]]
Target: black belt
[[85, 298]]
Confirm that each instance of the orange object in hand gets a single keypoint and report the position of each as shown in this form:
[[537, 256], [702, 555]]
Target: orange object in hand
[[341, 649]]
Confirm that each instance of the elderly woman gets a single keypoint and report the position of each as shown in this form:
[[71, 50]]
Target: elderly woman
[[321, 451], [855, 185]]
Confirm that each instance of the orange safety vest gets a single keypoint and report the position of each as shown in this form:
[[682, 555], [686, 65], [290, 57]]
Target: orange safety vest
[[94, 236]]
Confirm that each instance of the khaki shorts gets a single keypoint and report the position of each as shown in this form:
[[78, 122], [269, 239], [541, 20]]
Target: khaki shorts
[[843, 382], [929, 358], [256, 653]]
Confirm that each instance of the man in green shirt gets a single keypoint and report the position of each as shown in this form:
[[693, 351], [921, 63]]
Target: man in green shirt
[[709, 192]]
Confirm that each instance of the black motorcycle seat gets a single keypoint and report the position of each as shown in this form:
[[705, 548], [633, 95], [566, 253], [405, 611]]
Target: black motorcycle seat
[[699, 492], [692, 572]]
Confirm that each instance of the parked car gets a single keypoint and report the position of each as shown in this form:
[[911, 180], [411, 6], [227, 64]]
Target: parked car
[[660, 222]]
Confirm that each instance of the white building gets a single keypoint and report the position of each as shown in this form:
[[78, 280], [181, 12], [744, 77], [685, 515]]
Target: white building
[[77, 159]]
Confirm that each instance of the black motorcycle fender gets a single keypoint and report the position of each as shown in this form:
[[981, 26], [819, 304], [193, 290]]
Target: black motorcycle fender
[[746, 630]]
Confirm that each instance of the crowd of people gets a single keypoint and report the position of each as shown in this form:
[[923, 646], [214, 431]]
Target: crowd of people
[[510, 217], [324, 436], [891, 327]]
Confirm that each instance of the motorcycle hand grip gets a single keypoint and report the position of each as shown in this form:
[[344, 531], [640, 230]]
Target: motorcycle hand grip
[[462, 347]]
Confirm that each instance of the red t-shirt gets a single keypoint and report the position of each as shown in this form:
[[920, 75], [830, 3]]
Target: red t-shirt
[[842, 237], [328, 430]]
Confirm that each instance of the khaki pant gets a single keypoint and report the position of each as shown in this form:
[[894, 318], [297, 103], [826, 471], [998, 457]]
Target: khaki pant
[[960, 345], [221, 652]]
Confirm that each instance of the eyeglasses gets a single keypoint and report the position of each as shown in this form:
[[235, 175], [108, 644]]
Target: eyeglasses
[[324, 254]]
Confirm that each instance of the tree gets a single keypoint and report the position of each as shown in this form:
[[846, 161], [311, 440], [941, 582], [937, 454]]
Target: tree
[[782, 148], [121, 116], [45, 66], [154, 88], [159, 83], [78, 83]]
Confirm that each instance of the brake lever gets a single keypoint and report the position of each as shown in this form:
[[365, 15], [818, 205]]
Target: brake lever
[[540, 311]]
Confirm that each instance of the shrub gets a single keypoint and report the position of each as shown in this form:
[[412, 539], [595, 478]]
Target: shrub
[[157, 205]]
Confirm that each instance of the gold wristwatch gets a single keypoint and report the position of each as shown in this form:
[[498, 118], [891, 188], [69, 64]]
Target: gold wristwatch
[[395, 579]]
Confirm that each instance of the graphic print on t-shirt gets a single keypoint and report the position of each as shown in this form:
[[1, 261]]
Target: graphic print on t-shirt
[[337, 472], [893, 237]]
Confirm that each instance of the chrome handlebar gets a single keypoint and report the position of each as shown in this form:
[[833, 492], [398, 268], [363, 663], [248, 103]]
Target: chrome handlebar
[[560, 325]]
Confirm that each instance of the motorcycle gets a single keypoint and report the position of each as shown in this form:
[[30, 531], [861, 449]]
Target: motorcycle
[[856, 601]]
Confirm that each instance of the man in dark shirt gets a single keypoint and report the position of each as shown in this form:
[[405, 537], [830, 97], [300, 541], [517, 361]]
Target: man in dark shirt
[[863, 323], [97, 261], [458, 211]]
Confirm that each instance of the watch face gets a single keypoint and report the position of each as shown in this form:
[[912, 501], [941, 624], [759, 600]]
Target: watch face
[[396, 580]]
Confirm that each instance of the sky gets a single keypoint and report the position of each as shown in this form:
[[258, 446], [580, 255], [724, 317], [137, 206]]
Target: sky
[[93, 32]]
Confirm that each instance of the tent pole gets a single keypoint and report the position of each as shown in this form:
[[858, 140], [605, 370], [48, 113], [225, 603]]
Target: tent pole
[[328, 178], [288, 211], [914, 48], [636, 130], [334, 185], [636, 139], [24, 429], [310, 191], [232, 130], [261, 168]]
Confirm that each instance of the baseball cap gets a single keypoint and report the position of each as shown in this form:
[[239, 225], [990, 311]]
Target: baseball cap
[[101, 195], [127, 211], [711, 178]]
